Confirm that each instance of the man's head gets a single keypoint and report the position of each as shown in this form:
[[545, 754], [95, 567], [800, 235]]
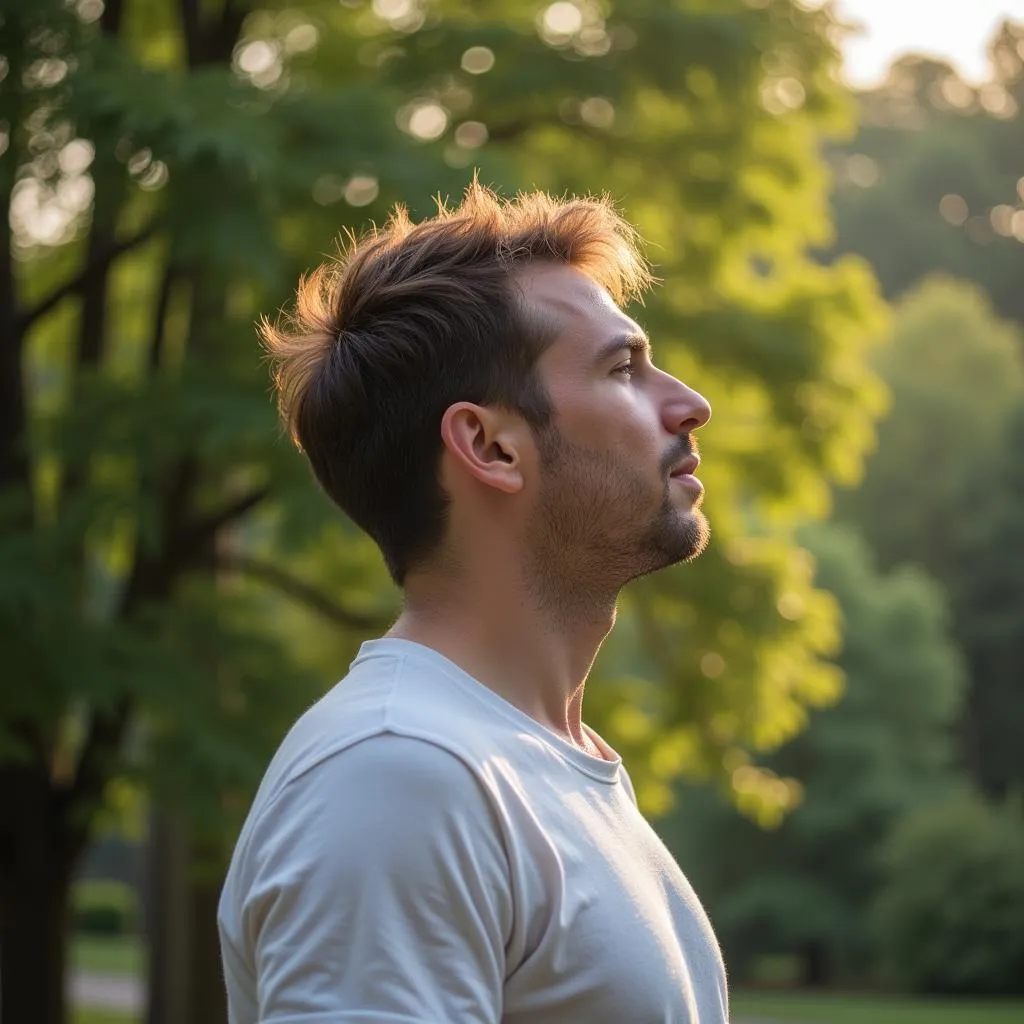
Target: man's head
[[445, 373]]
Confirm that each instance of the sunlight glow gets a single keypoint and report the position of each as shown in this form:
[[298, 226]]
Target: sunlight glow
[[956, 32]]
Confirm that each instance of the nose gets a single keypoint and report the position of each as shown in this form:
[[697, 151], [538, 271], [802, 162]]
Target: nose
[[685, 410]]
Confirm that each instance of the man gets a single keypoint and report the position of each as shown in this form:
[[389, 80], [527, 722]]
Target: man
[[441, 838]]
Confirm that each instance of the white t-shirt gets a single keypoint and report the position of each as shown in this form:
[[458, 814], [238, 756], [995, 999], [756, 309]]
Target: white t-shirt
[[422, 852]]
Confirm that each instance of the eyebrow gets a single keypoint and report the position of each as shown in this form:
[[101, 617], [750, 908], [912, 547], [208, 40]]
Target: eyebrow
[[633, 342]]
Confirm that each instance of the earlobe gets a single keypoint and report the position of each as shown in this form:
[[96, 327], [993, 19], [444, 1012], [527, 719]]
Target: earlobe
[[483, 443]]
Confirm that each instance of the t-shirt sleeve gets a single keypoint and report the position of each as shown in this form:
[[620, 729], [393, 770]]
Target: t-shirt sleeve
[[380, 892]]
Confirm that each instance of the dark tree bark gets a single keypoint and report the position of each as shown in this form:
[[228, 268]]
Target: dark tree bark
[[185, 982], [814, 957], [209, 998], [14, 465], [36, 849], [45, 821], [167, 920], [36, 862]]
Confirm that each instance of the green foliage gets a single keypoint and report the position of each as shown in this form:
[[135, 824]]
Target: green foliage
[[169, 179], [943, 490], [124, 956], [885, 747], [104, 908], [954, 371], [951, 914], [927, 135], [988, 602], [934, 181]]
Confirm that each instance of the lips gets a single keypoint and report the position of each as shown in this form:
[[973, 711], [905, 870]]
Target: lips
[[687, 467]]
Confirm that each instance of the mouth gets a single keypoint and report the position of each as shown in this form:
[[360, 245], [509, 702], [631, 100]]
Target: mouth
[[683, 476], [685, 468]]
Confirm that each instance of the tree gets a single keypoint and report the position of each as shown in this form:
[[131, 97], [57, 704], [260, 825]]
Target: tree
[[948, 915], [988, 603], [170, 167], [886, 747], [954, 371], [939, 492], [934, 179]]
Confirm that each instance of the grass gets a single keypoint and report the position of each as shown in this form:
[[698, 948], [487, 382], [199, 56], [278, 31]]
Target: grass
[[80, 1016], [792, 1008], [123, 956]]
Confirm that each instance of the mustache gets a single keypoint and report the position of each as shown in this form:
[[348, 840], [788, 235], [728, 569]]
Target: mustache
[[685, 446]]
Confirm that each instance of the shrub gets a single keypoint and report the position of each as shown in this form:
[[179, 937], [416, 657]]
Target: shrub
[[104, 907], [950, 914]]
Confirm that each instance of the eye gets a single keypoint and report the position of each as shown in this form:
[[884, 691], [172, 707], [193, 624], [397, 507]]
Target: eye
[[626, 369]]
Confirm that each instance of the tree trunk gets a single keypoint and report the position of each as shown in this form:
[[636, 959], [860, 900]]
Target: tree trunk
[[167, 920], [186, 984], [36, 859], [209, 999], [815, 964]]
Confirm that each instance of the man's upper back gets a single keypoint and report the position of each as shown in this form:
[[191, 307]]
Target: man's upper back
[[422, 851]]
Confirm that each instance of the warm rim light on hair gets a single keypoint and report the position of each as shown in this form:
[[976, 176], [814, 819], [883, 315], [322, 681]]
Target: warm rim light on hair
[[413, 317]]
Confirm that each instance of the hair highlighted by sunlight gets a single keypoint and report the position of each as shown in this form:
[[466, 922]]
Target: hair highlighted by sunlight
[[411, 318]]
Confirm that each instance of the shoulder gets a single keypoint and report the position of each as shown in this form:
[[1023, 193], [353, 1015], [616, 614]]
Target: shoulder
[[387, 781], [390, 811], [387, 806], [385, 853], [360, 724]]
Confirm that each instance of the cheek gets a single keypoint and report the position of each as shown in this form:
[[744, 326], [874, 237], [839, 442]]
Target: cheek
[[635, 431], [612, 416]]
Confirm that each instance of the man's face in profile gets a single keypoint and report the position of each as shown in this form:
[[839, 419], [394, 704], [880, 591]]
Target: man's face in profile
[[617, 497]]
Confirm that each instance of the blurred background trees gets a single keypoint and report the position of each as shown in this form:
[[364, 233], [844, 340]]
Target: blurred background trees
[[956, 378], [886, 748], [931, 182], [174, 590], [947, 917], [905, 875]]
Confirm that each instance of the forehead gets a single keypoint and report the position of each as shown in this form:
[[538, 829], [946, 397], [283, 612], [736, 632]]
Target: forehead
[[583, 314]]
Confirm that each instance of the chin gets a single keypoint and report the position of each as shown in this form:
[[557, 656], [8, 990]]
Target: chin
[[678, 541], [697, 536]]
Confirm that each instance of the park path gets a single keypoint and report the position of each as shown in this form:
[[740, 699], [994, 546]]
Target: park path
[[107, 992], [128, 995]]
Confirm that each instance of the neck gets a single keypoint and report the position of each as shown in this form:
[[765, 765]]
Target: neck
[[535, 650]]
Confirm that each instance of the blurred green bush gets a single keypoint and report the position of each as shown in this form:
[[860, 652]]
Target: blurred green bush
[[104, 908], [950, 915]]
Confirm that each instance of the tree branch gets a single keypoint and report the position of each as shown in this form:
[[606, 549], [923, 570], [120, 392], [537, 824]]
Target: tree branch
[[103, 740], [112, 16], [305, 593], [163, 302], [213, 42], [222, 39], [89, 275], [198, 535], [192, 30], [14, 461]]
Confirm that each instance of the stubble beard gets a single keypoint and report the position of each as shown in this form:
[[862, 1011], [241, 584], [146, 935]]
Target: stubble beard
[[599, 525]]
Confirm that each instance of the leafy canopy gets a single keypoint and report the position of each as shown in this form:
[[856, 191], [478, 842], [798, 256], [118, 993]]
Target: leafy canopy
[[172, 167]]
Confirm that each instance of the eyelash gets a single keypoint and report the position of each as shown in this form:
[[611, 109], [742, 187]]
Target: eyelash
[[626, 368]]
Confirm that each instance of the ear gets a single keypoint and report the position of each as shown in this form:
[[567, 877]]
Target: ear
[[486, 443]]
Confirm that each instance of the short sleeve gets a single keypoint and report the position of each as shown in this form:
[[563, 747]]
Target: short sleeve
[[380, 892]]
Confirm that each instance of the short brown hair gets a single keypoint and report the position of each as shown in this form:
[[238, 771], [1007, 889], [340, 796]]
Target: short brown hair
[[414, 317]]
